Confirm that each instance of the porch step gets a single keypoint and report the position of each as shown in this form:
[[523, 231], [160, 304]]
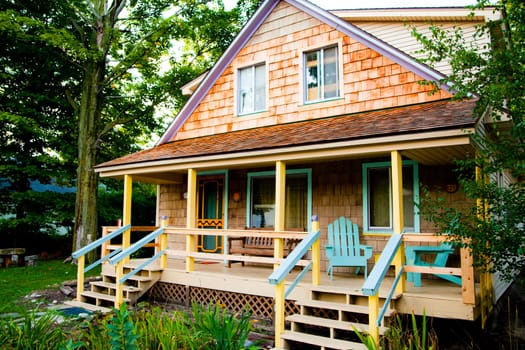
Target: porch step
[[322, 342], [101, 297], [343, 290], [351, 308], [331, 324], [109, 285], [89, 307]]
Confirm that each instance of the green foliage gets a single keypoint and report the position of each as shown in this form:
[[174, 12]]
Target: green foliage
[[220, 329], [38, 331], [17, 282], [401, 338], [492, 71], [122, 331]]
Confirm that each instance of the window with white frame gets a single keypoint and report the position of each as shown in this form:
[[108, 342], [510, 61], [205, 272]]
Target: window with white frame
[[298, 199], [377, 197], [251, 89], [321, 74]]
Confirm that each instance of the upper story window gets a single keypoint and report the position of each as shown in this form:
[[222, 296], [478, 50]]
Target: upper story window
[[321, 74], [251, 89], [377, 197]]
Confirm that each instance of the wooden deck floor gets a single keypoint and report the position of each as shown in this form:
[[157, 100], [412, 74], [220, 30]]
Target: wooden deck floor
[[435, 298]]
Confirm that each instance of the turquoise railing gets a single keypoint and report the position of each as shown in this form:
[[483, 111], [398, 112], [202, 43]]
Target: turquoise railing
[[94, 245], [291, 261], [376, 277], [133, 248]]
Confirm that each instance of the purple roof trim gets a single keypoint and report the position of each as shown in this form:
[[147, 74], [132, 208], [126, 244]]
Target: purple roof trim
[[238, 43], [258, 19]]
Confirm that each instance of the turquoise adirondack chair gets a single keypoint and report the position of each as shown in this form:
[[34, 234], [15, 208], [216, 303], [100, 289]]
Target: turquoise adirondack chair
[[343, 247], [414, 254]]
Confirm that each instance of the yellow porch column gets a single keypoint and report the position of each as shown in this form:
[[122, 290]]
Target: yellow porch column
[[280, 185], [191, 217], [316, 254], [397, 215], [126, 213], [163, 243]]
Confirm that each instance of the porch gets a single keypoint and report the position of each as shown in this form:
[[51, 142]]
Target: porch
[[290, 289]]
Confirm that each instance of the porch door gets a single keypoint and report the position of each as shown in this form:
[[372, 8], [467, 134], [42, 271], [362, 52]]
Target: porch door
[[210, 211]]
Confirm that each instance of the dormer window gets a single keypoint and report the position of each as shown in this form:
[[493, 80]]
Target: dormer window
[[321, 74], [251, 89]]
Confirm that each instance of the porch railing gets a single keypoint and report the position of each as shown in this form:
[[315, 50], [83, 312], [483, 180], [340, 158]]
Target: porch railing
[[375, 279], [80, 255]]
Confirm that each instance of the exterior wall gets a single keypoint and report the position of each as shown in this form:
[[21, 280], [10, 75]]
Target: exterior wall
[[370, 80], [337, 190], [398, 34]]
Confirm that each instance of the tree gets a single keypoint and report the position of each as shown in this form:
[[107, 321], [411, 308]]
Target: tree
[[493, 227], [118, 48], [35, 124]]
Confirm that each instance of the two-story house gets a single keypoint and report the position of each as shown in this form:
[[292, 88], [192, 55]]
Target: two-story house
[[310, 113]]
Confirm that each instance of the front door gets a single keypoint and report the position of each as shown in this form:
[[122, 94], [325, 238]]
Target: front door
[[210, 211]]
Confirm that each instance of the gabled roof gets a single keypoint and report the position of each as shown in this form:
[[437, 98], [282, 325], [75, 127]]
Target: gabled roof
[[427, 117], [258, 19]]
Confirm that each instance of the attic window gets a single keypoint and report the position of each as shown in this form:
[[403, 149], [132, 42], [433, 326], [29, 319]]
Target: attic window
[[251, 89], [321, 74]]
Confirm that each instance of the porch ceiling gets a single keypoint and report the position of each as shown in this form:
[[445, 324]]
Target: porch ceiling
[[431, 133]]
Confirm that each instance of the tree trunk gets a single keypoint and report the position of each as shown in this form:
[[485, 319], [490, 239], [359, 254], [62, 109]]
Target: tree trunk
[[85, 230]]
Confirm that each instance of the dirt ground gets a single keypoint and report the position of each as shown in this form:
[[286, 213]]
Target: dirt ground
[[505, 329]]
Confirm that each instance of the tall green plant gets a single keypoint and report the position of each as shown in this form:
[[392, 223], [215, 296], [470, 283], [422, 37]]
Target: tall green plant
[[35, 331], [122, 330], [222, 330]]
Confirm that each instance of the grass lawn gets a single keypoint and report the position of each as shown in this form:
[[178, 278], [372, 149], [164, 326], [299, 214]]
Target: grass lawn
[[17, 282]]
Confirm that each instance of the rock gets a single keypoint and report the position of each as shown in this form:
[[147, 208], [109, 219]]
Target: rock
[[66, 290]]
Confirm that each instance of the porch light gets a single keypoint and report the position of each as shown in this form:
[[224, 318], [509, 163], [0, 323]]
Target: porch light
[[236, 197]]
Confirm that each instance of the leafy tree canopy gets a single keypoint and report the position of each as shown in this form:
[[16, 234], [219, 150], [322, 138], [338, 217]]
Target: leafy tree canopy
[[493, 227]]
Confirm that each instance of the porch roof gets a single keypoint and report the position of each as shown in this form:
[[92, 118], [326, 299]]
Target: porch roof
[[408, 120]]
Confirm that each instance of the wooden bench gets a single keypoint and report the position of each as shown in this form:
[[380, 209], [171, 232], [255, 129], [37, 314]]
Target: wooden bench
[[8, 256], [256, 246]]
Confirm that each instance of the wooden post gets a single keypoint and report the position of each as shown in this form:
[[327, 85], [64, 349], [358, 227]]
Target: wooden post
[[279, 314], [373, 315], [280, 189], [119, 292], [316, 254], [163, 244], [397, 215], [126, 213], [81, 262], [191, 218]]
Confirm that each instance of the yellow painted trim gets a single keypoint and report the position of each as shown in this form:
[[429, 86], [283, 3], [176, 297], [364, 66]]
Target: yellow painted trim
[[316, 256], [191, 216], [126, 212], [119, 290], [397, 215], [373, 315], [81, 262], [164, 245], [279, 314], [280, 190]]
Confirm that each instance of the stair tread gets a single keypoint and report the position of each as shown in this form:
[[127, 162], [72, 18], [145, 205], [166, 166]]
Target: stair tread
[[344, 290], [362, 309], [322, 341], [329, 323], [103, 296], [133, 278], [90, 307], [114, 286]]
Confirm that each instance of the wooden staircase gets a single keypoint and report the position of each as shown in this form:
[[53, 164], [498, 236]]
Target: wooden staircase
[[101, 296], [328, 318]]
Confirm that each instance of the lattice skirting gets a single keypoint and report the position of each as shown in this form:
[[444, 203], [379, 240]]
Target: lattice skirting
[[186, 295]]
